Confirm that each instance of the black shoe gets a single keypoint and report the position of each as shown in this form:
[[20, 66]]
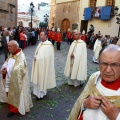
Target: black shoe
[[81, 84], [37, 99], [10, 114]]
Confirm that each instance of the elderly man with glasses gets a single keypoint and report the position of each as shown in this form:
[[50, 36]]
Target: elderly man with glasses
[[100, 99]]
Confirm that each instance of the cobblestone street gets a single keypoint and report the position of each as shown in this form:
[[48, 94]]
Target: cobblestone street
[[58, 102]]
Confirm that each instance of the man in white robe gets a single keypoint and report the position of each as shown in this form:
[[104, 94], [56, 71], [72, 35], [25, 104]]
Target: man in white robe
[[100, 99], [96, 49], [118, 42], [76, 63], [43, 71], [15, 85]]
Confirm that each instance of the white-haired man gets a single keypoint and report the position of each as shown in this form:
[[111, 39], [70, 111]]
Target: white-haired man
[[76, 63], [14, 86], [100, 99]]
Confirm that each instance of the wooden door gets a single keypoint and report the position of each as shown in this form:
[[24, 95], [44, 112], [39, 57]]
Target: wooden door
[[65, 25], [84, 24]]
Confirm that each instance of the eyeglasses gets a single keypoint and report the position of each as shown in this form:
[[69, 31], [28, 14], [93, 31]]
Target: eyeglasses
[[112, 65]]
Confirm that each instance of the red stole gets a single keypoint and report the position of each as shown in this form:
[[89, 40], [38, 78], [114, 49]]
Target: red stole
[[115, 85]]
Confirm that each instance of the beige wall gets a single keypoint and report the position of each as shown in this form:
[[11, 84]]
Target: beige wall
[[5, 13], [68, 10], [75, 15], [108, 27], [52, 12], [62, 1]]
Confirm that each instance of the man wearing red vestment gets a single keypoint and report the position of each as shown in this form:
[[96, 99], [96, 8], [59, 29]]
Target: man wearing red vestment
[[53, 34], [49, 34], [83, 36], [100, 99], [58, 38], [69, 37]]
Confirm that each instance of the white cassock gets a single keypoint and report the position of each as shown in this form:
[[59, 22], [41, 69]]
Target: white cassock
[[89, 114], [43, 71], [96, 50], [76, 68], [118, 42]]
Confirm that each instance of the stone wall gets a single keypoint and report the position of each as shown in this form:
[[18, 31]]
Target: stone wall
[[67, 10], [8, 13]]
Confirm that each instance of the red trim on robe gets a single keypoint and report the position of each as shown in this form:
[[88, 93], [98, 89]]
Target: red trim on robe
[[81, 116], [17, 51], [12, 108], [111, 85]]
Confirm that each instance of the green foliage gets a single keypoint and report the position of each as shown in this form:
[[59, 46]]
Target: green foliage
[[43, 25]]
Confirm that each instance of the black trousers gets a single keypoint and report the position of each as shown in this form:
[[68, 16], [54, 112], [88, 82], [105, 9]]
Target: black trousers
[[58, 45], [53, 42], [49, 39]]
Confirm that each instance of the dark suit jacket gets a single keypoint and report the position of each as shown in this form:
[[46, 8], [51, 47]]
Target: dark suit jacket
[[4, 43]]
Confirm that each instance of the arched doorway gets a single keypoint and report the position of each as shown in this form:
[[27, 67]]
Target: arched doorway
[[65, 25]]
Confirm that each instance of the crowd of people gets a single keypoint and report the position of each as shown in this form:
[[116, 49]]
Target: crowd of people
[[101, 96], [24, 36]]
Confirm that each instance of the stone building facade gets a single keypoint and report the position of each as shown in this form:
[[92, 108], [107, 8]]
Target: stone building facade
[[52, 13], [72, 14], [67, 14], [8, 13]]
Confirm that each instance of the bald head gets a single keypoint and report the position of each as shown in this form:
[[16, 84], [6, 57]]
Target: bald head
[[13, 46], [14, 43]]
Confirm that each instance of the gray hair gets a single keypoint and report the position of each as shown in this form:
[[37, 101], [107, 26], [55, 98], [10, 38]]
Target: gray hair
[[6, 31], [110, 48], [15, 43]]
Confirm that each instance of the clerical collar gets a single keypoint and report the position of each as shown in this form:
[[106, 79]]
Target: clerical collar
[[18, 50], [44, 41], [115, 85]]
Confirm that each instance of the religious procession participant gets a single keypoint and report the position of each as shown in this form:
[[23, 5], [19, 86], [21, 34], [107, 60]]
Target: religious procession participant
[[97, 48], [43, 71], [49, 34], [69, 37], [53, 35], [83, 36], [15, 86], [58, 38], [100, 98], [76, 63], [118, 42]]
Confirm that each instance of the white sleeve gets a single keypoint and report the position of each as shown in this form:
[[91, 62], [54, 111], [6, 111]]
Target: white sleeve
[[118, 117]]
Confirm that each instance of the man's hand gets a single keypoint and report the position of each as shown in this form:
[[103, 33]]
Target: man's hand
[[72, 56], [4, 71], [34, 58], [92, 102], [108, 109]]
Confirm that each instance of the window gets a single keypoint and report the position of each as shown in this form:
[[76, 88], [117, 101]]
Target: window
[[93, 3], [110, 2]]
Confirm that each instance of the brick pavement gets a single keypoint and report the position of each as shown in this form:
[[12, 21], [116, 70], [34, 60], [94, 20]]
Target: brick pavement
[[59, 101]]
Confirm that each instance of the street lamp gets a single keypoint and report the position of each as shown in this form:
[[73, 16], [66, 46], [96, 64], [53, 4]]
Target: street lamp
[[46, 19], [32, 9], [118, 19]]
